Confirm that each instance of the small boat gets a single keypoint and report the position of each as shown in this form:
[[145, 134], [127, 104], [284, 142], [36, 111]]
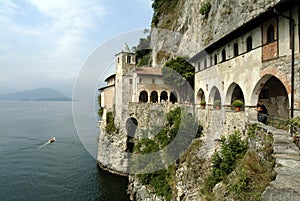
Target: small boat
[[52, 140]]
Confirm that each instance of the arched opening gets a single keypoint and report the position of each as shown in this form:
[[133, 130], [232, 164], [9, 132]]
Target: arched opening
[[274, 95], [270, 34], [235, 50], [200, 96], [223, 55], [154, 97], [235, 93], [249, 43], [173, 97], [215, 59], [163, 96], [143, 97], [131, 125], [215, 97]]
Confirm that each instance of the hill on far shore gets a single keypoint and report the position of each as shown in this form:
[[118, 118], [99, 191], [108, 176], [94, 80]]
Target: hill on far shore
[[40, 94]]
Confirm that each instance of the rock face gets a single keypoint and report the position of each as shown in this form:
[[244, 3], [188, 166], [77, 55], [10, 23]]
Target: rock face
[[195, 31]]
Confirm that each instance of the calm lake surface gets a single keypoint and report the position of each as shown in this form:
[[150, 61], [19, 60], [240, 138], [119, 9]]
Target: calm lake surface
[[31, 169]]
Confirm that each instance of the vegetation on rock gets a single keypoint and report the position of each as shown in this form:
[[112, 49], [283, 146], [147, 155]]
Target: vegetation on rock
[[100, 110], [162, 181], [143, 51], [186, 72], [224, 161], [110, 123], [205, 8], [243, 169], [161, 8]]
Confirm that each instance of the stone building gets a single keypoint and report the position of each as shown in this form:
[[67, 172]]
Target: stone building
[[107, 94], [254, 62], [133, 94], [132, 84]]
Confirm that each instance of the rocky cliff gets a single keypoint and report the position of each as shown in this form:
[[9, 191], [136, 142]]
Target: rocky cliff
[[196, 30]]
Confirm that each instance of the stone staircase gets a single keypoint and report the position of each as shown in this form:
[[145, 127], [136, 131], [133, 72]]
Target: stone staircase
[[286, 186]]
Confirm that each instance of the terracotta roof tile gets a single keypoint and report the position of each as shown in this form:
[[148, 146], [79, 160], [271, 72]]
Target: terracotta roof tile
[[148, 71]]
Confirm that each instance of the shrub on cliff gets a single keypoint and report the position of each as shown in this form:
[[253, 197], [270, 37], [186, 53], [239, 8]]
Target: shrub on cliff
[[224, 161], [110, 123]]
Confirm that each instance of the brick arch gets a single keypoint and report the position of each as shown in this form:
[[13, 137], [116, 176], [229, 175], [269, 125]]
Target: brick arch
[[265, 75], [272, 71]]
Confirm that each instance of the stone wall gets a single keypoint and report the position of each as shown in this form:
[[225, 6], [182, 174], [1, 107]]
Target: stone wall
[[112, 154]]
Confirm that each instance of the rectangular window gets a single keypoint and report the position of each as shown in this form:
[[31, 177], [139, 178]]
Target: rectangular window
[[130, 81], [153, 81], [140, 80]]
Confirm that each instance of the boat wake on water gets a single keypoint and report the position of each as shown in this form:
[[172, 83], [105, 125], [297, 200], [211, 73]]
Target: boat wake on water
[[51, 140]]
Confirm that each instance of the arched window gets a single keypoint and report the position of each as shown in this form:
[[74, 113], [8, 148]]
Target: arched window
[[249, 43], [164, 96], [270, 34], [223, 55], [143, 97], [173, 97], [154, 97], [216, 59], [235, 50]]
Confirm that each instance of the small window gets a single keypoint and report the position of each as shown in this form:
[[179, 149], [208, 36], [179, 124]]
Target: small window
[[128, 59], [216, 59], [270, 34], [153, 81], [140, 80], [249, 43], [205, 63], [118, 60], [223, 55], [130, 81], [236, 50]]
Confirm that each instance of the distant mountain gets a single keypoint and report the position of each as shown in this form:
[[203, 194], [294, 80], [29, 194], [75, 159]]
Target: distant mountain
[[6, 90], [41, 94]]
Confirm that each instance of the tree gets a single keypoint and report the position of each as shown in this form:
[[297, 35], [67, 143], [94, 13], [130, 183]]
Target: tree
[[186, 72], [143, 51]]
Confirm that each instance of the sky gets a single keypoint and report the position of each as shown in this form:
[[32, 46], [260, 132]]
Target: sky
[[45, 43]]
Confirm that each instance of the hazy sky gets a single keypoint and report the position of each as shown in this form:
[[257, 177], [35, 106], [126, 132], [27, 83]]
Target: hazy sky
[[44, 43]]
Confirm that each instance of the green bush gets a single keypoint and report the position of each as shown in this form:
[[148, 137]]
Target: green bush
[[161, 181], [205, 8], [203, 102], [110, 123], [217, 102], [100, 110], [223, 162], [237, 103]]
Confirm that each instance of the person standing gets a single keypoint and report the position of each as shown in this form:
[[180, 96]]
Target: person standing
[[262, 112]]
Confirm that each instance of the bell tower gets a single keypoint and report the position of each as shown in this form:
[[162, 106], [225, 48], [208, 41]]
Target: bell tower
[[125, 63]]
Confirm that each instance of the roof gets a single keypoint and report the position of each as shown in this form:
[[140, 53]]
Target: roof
[[248, 26], [109, 77], [126, 48], [149, 71], [102, 88]]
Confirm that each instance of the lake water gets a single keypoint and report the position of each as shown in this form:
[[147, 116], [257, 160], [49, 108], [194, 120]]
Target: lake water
[[31, 169]]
